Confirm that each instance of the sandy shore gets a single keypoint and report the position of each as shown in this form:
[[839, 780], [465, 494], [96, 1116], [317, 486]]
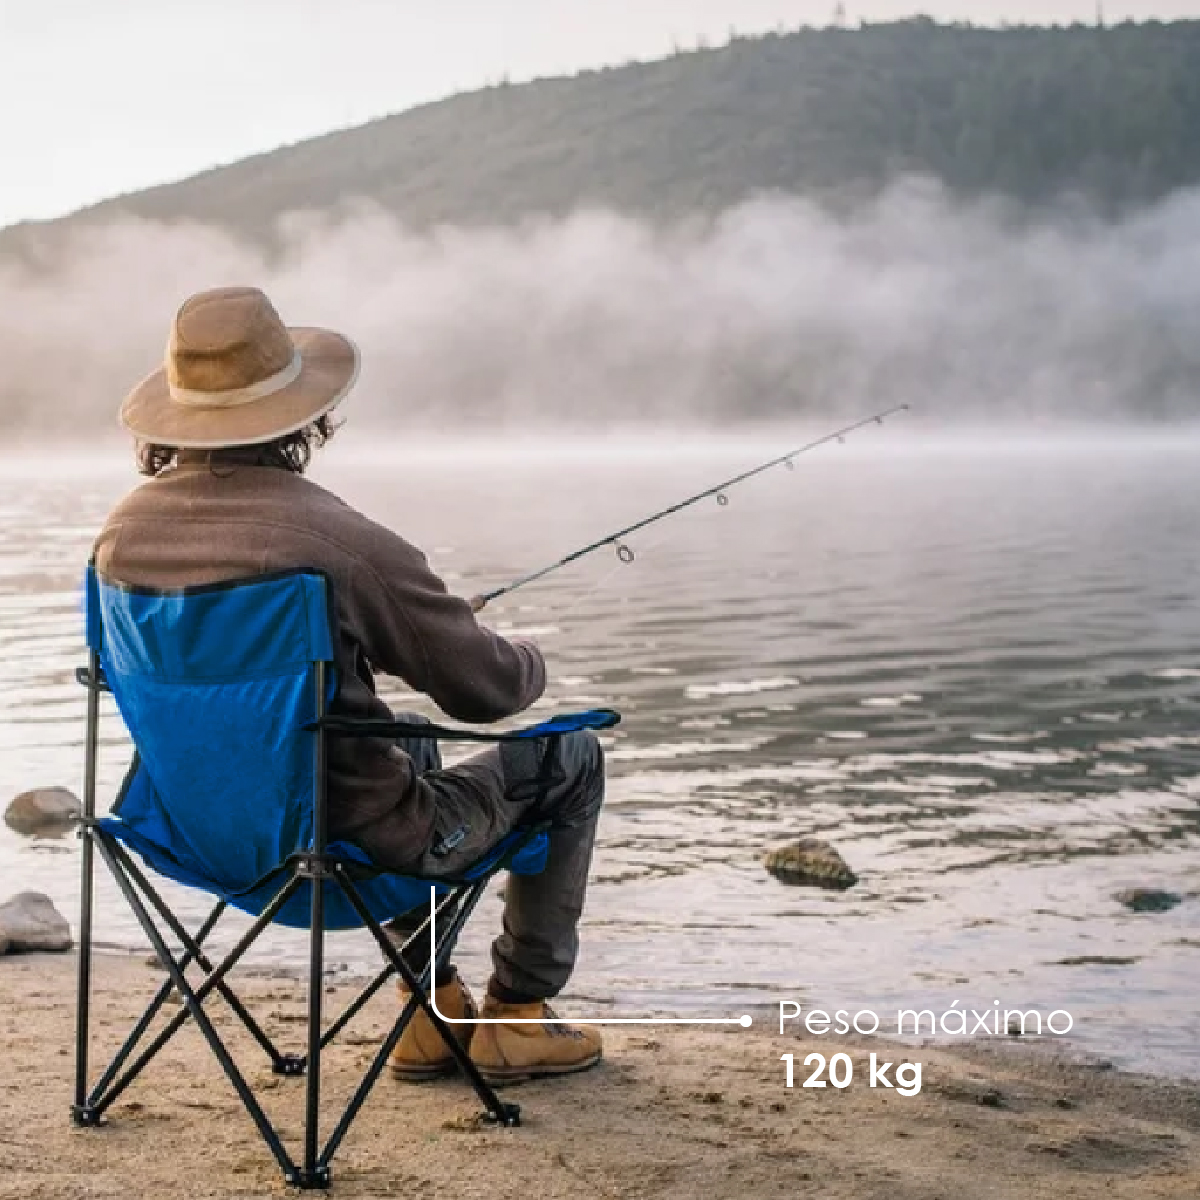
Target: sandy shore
[[671, 1113]]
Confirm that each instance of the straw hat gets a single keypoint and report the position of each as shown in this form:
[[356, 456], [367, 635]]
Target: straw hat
[[235, 375]]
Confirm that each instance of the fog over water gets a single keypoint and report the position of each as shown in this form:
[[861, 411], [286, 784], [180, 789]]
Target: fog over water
[[773, 309]]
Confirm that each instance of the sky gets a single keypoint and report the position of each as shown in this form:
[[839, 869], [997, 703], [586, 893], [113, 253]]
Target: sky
[[100, 97]]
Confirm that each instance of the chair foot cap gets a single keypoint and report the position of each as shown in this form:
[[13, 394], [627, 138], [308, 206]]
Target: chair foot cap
[[310, 1181], [84, 1116], [508, 1118]]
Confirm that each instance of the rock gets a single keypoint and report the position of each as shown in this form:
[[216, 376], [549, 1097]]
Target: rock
[[811, 862], [29, 921], [1142, 900], [43, 810]]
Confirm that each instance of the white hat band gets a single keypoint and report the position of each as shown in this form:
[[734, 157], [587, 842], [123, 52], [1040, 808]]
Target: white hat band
[[233, 397]]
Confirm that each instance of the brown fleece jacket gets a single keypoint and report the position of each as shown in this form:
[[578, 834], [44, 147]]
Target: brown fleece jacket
[[197, 525]]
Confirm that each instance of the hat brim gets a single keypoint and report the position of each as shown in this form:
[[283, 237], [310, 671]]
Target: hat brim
[[329, 367]]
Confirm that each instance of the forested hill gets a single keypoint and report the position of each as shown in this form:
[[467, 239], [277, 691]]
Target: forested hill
[[1027, 112]]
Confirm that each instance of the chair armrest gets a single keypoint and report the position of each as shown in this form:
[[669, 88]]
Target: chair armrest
[[598, 718]]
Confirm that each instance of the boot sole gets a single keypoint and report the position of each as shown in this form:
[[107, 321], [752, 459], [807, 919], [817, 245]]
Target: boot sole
[[422, 1074], [499, 1076]]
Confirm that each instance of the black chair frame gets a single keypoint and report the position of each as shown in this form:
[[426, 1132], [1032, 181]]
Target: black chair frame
[[449, 913]]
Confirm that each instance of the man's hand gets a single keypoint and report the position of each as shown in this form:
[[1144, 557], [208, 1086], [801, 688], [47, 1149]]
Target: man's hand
[[478, 603]]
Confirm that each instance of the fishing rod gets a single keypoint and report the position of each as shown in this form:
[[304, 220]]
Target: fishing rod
[[617, 539]]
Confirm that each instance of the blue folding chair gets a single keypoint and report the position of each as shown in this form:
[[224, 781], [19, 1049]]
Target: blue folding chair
[[225, 691]]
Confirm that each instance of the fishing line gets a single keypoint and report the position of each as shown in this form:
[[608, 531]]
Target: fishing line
[[625, 553]]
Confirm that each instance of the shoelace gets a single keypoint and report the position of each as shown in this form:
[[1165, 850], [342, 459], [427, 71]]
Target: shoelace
[[559, 1030]]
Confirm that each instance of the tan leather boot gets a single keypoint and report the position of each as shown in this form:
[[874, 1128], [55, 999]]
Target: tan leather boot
[[421, 1053], [510, 1053]]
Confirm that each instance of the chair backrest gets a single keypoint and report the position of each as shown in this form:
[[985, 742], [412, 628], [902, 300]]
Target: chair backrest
[[215, 685]]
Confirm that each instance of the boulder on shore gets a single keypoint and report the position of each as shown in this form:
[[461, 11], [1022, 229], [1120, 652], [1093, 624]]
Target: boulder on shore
[[29, 921], [809, 862], [43, 810], [1143, 900]]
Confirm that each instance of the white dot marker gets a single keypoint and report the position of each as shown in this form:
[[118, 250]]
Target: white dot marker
[[746, 1021]]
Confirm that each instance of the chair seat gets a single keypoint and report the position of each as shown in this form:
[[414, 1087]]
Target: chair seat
[[386, 894]]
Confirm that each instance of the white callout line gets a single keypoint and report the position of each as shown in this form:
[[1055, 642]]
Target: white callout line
[[744, 1021]]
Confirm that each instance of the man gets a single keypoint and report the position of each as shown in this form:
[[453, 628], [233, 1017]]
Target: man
[[225, 430]]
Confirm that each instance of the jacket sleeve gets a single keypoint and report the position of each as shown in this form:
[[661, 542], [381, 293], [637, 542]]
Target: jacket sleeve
[[413, 628]]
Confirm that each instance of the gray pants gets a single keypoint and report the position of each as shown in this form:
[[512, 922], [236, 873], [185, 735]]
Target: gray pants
[[480, 802]]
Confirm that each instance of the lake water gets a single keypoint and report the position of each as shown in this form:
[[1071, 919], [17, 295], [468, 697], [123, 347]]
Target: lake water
[[971, 664]]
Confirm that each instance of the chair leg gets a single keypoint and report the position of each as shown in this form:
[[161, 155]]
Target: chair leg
[[364, 997], [202, 992], [194, 1007], [419, 998], [368, 1081], [315, 1173], [281, 1064], [152, 1010], [81, 1112], [497, 1110]]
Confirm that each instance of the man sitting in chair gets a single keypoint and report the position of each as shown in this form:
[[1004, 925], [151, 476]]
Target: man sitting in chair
[[225, 430]]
